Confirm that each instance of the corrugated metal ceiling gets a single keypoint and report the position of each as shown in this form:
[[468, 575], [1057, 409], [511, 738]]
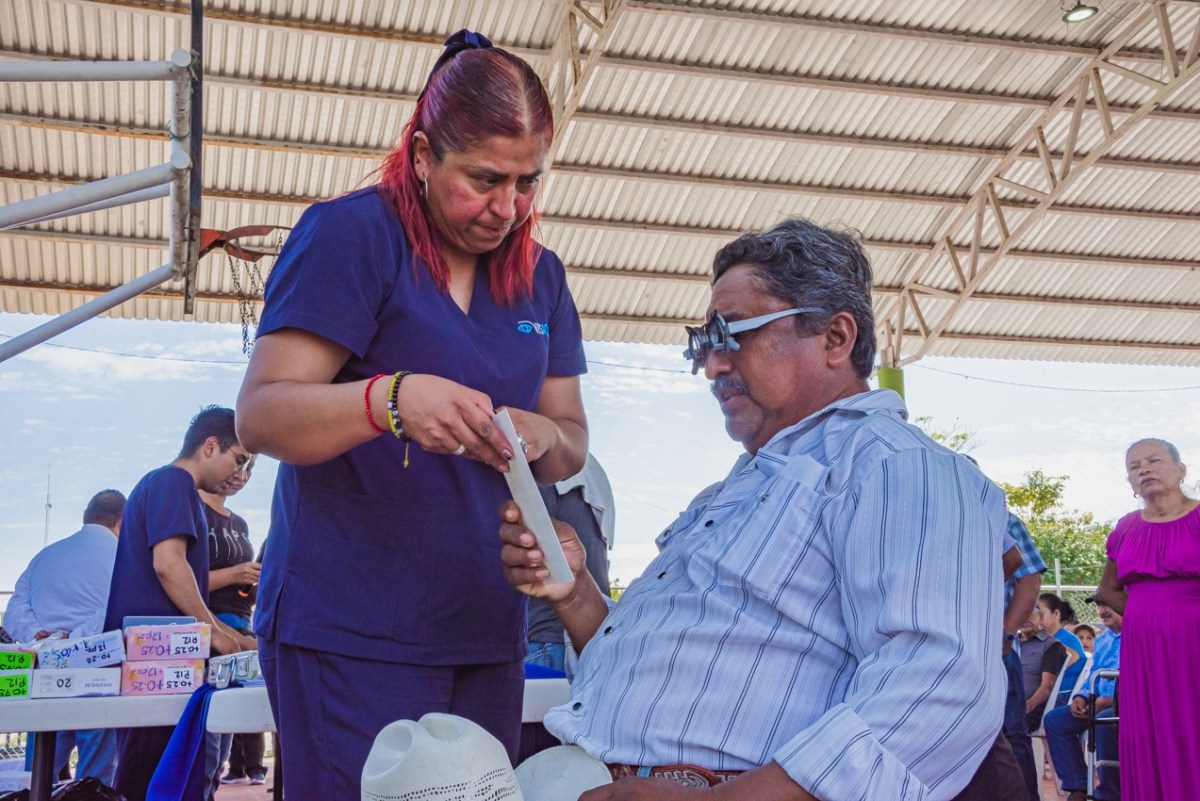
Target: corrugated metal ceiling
[[700, 119]]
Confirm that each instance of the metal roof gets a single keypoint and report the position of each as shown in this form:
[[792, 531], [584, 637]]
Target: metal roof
[[1004, 218]]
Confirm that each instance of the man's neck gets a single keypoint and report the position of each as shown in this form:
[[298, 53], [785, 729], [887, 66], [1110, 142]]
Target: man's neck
[[191, 466]]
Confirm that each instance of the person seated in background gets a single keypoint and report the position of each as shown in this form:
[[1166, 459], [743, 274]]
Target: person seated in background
[[1042, 658], [585, 503], [1067, 724], [819, 624], [1086, 635], [1056, 613], [65, 591]]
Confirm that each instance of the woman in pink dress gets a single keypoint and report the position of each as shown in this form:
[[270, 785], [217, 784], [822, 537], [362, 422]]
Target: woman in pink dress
[[1153, 578]]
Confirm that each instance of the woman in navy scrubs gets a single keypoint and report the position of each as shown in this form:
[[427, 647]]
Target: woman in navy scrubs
[[382, 594]]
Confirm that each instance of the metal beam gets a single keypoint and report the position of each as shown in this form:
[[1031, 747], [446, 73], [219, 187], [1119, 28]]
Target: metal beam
[[692, 128], [586, 62], [716, 234], [1061, 342], [882, 88], [887, 30], [339, 150], [1058, 178], [336, 150], [570, 69], [654, 276]]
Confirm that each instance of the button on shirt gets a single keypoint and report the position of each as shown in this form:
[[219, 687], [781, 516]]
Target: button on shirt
[[829, 605], [65, 587]]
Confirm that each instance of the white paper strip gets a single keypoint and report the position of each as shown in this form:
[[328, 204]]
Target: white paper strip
[[533, 509]]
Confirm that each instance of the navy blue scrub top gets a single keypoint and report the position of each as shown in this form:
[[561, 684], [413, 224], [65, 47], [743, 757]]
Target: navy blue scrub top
[[364, 556], [164, 504]]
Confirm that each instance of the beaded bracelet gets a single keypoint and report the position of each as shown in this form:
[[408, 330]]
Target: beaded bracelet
[[378, 429], [394, 413]]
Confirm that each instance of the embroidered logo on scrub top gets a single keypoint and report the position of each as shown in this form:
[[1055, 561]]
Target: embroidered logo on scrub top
[[529, 327]]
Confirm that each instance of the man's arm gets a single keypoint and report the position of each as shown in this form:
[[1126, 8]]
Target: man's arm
[[19, 617], [178, 581], [919, 576], [1025, 595]]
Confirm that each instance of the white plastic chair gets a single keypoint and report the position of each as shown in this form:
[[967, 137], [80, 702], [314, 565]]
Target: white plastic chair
[[1038, 737]]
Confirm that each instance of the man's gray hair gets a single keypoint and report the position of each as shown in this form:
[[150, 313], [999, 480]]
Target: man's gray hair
[[807, 265]]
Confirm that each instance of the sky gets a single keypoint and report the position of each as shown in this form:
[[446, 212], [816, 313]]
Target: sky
[[105, 403]]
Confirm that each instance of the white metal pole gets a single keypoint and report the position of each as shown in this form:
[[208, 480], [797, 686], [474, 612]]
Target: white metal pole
[[181, 130], [153, 193], [1057, 575], [24, 211], [19, 71], [93, 308]]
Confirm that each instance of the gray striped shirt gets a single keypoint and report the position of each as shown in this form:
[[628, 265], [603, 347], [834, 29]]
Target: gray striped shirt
[[834, 605]]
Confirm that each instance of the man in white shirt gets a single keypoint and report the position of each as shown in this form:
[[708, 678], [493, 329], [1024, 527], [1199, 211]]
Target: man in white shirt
[[821, 623], [65, 590]]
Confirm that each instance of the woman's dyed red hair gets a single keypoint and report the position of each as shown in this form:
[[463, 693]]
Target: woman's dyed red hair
[[476, 95]]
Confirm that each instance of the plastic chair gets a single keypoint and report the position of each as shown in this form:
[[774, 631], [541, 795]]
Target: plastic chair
[[1038, 738]]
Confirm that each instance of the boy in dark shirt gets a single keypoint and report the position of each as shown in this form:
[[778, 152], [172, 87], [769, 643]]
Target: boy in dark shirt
[[162, 564]]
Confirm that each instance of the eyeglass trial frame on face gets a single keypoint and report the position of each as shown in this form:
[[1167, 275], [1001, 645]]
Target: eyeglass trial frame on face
[[717, 335]]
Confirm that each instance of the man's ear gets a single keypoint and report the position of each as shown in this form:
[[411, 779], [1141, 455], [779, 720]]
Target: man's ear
[[211, 446], [840, 336]]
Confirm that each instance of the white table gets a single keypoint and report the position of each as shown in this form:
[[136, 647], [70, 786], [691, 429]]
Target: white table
[[238, 709]]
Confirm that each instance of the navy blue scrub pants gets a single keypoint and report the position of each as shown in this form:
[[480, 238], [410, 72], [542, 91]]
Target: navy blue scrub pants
[[329, 708]]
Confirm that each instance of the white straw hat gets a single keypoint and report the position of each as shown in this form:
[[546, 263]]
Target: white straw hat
[[438, 758], [561, 774]]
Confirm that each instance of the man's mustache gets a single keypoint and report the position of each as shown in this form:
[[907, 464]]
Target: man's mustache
[[726, 383]]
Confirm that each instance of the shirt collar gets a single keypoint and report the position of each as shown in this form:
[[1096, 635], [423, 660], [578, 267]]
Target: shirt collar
[[776, 452]]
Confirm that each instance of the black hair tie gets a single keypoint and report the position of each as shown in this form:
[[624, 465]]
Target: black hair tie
[[455, 44]]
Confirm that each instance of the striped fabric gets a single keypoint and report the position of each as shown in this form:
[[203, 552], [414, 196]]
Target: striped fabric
[[832, 605]]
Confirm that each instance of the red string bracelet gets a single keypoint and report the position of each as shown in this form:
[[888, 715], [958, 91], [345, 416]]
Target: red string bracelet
[[367, 403]]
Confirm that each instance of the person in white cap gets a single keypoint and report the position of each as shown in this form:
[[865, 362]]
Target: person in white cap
[[820, 624]]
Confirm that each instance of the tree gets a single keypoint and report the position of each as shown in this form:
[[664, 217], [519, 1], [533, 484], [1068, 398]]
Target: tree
[[1069, 535], [956, 438]]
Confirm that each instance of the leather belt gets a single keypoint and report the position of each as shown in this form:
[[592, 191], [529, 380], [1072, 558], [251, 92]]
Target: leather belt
[[686, 775]]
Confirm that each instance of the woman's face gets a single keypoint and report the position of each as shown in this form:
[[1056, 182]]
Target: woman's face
[[1049, 618], [1151, 470], [479, 196], [1086, 637]]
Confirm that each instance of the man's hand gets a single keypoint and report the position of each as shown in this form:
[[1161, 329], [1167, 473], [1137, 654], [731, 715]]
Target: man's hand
[[522, 558], [631, 788], [1079, 707], [230, 642]]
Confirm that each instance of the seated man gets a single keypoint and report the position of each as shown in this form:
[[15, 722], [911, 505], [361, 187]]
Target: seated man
[[1065, 725], [822, 623]]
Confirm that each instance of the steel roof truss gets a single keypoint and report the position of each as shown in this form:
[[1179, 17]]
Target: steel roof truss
[[1059, 177]]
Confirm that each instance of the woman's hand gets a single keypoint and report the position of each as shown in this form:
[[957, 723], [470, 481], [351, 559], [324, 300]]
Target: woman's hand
[[441, 415], [539, 432], [523, 559]]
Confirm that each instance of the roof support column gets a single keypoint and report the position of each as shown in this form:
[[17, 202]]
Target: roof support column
[[891, 378]]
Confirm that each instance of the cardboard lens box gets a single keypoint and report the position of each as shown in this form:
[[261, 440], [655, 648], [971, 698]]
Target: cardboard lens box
[[16, 657], [14, 685], [96, 651], [156, 643], [169, 677], [75, 682]]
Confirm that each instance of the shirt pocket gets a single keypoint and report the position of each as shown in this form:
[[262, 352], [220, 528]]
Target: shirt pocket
[[758, 544]]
